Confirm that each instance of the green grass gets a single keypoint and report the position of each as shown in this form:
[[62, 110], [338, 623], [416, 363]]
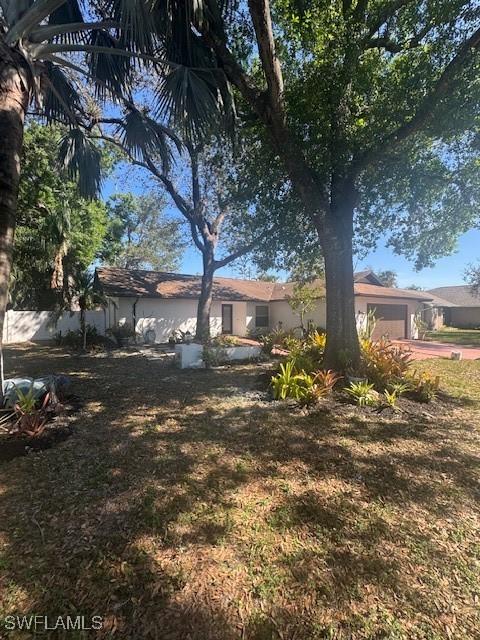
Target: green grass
[[460, 379], [466, 337], [185, 506]]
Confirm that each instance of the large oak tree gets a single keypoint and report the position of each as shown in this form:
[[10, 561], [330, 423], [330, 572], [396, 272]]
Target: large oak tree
[[341, 90]]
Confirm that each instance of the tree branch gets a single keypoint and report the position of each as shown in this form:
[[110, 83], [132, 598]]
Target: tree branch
[[240, 252], [388, 11], [426, 108], [396, 47], [262, 23], [196, 196]]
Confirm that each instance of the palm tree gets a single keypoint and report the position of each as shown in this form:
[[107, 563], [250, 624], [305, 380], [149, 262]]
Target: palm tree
[[51, 53], [88, 298]]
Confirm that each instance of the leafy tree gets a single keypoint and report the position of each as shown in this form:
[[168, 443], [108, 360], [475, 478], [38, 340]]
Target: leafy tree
[[201, 194], [387, 277], [140, 235], [58, 232], [53, 55], [304, 298], [346, 98], [472, 277], [416, 287]]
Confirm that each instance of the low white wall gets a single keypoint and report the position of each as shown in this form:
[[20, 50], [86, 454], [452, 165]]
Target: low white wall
[[26, 326], [190, 356]]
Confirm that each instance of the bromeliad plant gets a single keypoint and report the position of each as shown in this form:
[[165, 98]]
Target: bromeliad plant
[[423, 385], [384, 363], [302, 386], [363, 393], [31, 419], [285, 384]]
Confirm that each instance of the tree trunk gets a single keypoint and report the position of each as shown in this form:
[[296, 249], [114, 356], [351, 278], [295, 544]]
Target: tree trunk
[[83, 329], [342, 351], [202, 333], [14, 98]]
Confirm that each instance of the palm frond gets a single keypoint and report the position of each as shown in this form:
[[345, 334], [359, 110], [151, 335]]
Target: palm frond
[[142, 136], [190, 99], [82, 160], [112, 71], [61, 99], [136, 21], [28, 20], [69, 13]]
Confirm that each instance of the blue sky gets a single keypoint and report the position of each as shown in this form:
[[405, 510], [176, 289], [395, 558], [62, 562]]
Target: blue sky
[[447, 271]]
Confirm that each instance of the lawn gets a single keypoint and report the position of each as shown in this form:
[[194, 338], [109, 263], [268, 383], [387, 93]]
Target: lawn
[[467, 337], [188, 506]]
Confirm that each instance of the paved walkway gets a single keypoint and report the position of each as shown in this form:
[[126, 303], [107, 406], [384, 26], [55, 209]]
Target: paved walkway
[[422, 350]]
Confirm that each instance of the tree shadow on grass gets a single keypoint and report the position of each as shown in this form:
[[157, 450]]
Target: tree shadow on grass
[[135, 517]]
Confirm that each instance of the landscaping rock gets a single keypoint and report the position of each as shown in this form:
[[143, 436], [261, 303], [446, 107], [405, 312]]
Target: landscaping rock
[[56, 385]]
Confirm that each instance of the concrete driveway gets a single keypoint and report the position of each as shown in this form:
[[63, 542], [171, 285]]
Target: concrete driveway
[[422, 350]]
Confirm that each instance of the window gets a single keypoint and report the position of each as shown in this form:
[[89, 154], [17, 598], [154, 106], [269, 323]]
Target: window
[[261, 317]]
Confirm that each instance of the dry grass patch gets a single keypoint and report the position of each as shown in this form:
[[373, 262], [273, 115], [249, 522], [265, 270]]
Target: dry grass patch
[[188, 506]]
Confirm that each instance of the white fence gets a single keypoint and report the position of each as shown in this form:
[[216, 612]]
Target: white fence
[[26, 326]]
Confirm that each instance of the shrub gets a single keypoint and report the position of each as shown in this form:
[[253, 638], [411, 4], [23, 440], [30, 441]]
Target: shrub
[[214, 354], [74, 339], [363, 393], [223, 340], [327, 379], [383, 362], [122, 333], [317, 340], [365, 332], [423, 385], [275, 338], [303, 386]]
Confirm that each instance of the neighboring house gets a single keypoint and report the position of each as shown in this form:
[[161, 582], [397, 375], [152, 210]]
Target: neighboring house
[[165, 302], [436, 311], [460, 308]]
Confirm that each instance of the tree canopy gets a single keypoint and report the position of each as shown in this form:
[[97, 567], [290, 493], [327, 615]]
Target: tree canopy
[[140, 234], [368, 109], [59, 233]]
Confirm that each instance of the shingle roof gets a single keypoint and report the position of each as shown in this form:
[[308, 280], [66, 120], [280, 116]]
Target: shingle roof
[[460, 296], [160, 284], [437, 301], [362, 289]]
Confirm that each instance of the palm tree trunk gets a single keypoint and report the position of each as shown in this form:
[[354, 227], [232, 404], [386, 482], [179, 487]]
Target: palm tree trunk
[[342, 351], [83, 329], [14, 98], [202, 333]]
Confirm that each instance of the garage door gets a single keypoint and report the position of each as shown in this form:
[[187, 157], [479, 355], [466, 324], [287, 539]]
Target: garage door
[[391, 320]]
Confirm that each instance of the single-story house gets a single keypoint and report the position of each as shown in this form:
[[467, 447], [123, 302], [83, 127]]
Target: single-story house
[[165, 302], [459, 306]]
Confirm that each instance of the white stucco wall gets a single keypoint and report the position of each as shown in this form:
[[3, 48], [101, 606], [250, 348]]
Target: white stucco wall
[[26, 326], [280, 311], [165, 316]]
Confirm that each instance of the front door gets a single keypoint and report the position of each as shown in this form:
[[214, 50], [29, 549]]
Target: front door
[[227, 315]]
